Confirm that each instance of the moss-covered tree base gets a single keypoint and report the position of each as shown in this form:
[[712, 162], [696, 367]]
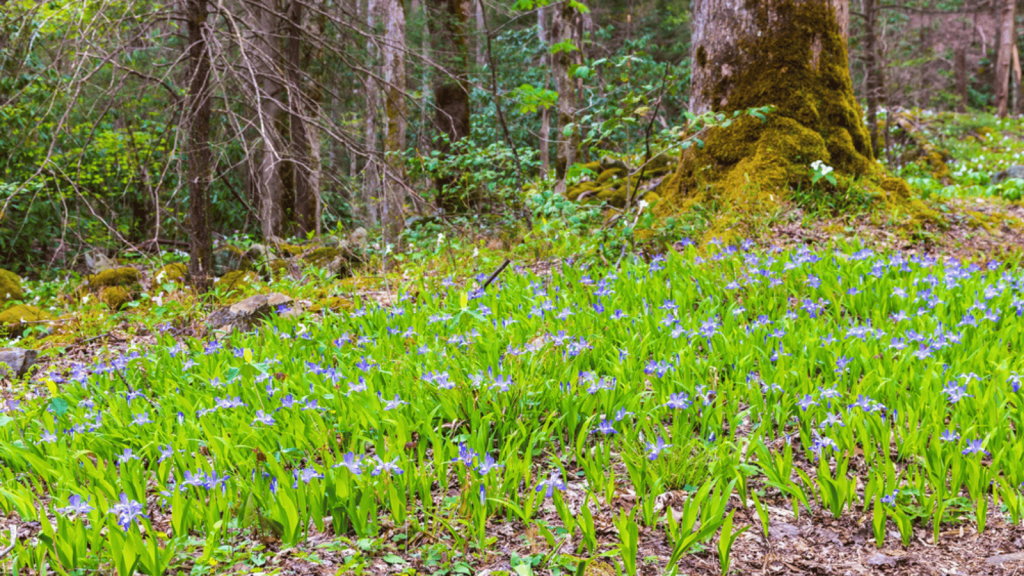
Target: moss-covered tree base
[[790, 55]]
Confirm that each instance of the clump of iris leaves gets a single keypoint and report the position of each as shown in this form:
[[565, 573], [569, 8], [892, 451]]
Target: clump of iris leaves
[[832, 380]]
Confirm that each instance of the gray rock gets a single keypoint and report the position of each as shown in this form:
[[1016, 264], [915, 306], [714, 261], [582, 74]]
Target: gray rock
[[226, 259], [358, 239], [16, 361], [247, 314], [879, 559], [1004, 558], [1011, 172], [98, 262]]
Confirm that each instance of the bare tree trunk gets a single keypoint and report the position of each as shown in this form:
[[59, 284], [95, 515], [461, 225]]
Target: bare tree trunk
[[372, 171], [451, 94], [481, 30], [393, 191], [1004, 54], [269, 182], [960, 70], [198, 153], [303, 132], [875, 80], [545, 113], [562, 26]]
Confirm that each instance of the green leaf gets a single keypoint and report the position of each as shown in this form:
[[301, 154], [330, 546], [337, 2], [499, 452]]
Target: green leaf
[[392, 559], [58, 406]]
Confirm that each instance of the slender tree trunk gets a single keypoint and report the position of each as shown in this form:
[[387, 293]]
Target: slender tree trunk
[[545, 113], [372, 171], [562, 27], [392, 218], [198, 152], [481, 30], [1004, 54], [960, 71], [271, 186], [303, 132], [451, 94], [875, 79]]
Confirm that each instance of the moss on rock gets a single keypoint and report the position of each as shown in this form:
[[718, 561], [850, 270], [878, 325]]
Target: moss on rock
[[124, 276], [334, 304], [115, 297], [235, 280], [16, 318], [10, 286]]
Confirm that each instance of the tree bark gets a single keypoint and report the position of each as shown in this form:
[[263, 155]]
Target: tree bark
[[562, 27], [198, 152], [372, 170], [545, 113], [960, 71], [451, 94], [393, 190], [787, 54], [305, 167], [268, 178], [1004, 55], [875, 75]]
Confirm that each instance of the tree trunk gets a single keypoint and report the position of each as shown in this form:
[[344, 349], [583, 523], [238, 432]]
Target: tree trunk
[[545, 113], [269, 182], [198, 151], [392, 218], [303, 132], [789, 54], [875, 79], [372, 170], [1004, 55], [562, 27], [481, 41], [451, 94], [960, 71]]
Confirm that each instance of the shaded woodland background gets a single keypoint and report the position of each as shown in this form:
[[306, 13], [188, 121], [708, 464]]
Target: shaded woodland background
[[291, 118]]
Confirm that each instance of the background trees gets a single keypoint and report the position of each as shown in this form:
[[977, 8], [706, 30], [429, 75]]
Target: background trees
[[298, 116]]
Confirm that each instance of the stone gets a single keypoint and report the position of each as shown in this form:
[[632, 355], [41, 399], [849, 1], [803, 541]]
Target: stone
[[234, 280], [98, 262], [358, 239], [1011, 172], [247, 314], [16, 361], [879, 559], [226, 259], [16, 318], [123, 276], [1004, 558], [10, 286], [115, 297]]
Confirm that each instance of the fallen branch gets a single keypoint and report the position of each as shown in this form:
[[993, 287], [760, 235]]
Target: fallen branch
[[14, 540], [495, 274]]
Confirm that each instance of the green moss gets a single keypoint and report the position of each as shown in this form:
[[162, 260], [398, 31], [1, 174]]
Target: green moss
[[235, 280], [322, 256], [115, 297], [290, 249], [10, 286], [16, 318], [176, 272], [124, 276], [610, 174], [334, 304]]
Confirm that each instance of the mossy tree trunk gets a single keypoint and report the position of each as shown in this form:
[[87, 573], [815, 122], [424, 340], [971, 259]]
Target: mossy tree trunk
[[1004, 54], [790, 54]]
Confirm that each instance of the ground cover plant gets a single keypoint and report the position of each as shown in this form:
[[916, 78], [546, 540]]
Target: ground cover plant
[[623, 416]]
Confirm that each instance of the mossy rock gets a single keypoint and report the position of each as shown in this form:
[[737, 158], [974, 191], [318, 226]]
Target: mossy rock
[[235, 280], [115, 297], [594, 167], [334, 304], [10, 286], [321, 257], [291, 249], [227, 258], [124, 276], [359, 283], [177, 273], [16, 318], [610, 174]]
